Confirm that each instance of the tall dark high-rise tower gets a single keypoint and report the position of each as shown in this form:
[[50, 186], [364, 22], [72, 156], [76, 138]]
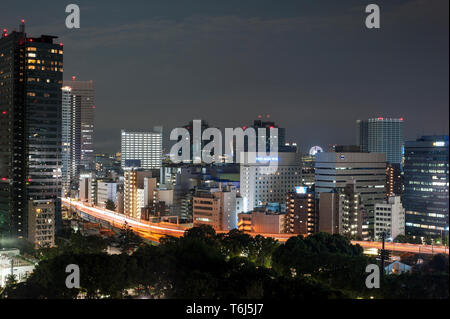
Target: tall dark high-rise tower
[[426, 193], [30, 135], [381, 135]]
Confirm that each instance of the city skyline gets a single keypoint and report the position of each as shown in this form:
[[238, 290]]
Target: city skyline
[[289, 63], [224, 150]]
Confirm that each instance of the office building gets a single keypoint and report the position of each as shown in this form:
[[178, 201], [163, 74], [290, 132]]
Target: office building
[[134, 191], [88, 188], [71, 141], [106, 191], [382, 135], [140, 149], [425, 195], [394, 180], [81, 96], [266, 220], [30, 129], [341, 212], [163, 201], [362, 135], [389, 218], [216, 207], [150, 186], [41, 223], [302, 212], [308, 170], [367, 171], [261, 184], [279, 140]]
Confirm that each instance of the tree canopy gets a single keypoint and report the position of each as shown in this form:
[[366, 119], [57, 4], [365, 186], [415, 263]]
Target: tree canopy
[[206, 265]]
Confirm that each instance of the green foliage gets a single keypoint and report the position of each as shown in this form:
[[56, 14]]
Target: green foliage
[[330, 259], [407, 239], [415, 286], [206, 265], [110, 205], [438, 264], [10, 280], [128, 240], [76, 244], [258, 250]]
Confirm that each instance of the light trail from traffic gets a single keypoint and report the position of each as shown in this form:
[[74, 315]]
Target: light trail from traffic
[[146, 229], [155, 231]]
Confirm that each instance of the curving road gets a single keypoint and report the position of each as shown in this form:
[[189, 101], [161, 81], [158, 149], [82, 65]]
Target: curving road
[[154, 231]]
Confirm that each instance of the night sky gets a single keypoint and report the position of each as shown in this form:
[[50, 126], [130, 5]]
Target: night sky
[[312, 65]]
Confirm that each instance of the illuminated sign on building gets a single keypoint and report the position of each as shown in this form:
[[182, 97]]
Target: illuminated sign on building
[[301, 189], [439, 143], [266, 159]]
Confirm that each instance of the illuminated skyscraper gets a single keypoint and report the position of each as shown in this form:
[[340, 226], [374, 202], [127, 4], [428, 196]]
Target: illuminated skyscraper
[[382, 135], [261, 184], [142, 149], [82, 96], [425, 196], [71, 140], [30, 135]]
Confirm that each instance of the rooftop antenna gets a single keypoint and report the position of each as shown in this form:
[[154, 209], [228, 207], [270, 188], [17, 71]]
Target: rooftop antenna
[[22, 26]]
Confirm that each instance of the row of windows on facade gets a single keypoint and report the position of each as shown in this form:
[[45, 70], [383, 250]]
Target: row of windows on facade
[[54, 51], [43, 68]]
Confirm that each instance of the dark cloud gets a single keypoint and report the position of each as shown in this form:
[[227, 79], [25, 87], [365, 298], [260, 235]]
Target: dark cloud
[[311, 64]]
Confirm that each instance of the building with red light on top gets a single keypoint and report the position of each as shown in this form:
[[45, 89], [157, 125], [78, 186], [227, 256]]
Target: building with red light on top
[[382, 135], [31, 71]]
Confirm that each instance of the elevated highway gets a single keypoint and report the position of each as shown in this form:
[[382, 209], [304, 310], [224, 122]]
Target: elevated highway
[[154, 231]]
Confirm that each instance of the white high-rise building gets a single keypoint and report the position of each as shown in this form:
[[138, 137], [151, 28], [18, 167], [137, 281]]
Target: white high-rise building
[[367, 171], [106, 190], [71, 142], [82, 95], [261, 184], [389, 218], [77, 131], [142, 149]]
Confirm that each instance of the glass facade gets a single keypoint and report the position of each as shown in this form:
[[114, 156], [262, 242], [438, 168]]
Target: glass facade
[[425, 195], [382, 135], [83, 110], [31, 71]]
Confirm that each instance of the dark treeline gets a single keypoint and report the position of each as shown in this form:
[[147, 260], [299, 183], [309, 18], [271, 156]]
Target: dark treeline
[[206, 265]]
